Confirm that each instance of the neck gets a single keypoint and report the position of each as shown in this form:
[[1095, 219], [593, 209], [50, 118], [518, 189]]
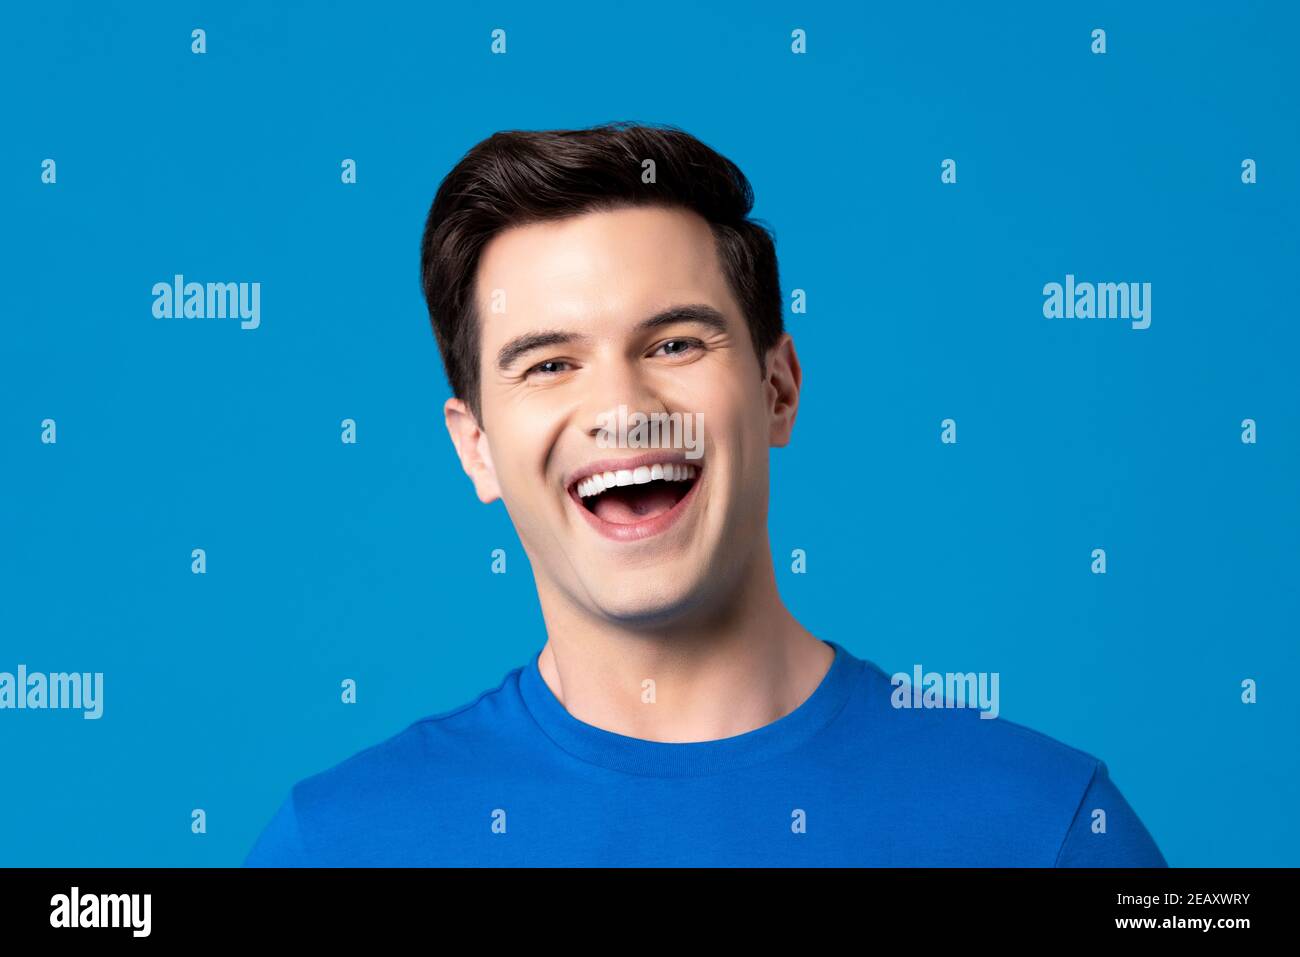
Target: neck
[[719, 670]]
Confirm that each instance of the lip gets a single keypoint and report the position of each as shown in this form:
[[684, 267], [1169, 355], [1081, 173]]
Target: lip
[[613, 465], [637, 531]]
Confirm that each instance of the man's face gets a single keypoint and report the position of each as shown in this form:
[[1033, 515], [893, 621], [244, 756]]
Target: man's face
[[579, 317]]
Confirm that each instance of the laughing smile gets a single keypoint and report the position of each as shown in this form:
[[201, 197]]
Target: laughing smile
[[635, 498]]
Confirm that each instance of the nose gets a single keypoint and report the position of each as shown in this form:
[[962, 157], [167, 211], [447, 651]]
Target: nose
[[614, 381]]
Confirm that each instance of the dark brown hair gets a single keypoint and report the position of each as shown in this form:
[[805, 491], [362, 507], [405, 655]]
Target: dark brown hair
[[517, 177]]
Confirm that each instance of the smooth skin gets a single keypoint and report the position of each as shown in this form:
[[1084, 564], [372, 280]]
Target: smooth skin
[[696, 607]]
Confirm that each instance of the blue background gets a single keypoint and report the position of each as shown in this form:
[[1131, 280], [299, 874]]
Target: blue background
[[328, 561]]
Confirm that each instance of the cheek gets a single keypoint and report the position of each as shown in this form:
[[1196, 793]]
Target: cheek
[[752, 450], [724, 404], [517, 468]]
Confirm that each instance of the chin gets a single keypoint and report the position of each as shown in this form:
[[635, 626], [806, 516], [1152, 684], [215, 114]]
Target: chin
[[644, 598]]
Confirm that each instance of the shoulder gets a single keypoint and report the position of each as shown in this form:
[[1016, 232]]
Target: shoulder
[[972, 734], [379, 788], [1001, 777], [438, 742]]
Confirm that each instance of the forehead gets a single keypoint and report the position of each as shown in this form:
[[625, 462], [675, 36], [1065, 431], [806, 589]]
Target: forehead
[[611, 265]]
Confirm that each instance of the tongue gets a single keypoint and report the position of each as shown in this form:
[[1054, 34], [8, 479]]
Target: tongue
[[629, 504]]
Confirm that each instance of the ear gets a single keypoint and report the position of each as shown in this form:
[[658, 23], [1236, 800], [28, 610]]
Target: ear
[[782, 383], [472, 447]]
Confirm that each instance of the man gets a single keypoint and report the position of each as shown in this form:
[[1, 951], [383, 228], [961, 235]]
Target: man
[[677, 714]]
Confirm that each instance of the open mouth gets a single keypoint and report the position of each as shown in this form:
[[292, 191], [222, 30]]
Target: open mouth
[[630, 496]]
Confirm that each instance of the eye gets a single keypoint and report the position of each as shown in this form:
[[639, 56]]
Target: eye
[[547, 368], [678, 347]]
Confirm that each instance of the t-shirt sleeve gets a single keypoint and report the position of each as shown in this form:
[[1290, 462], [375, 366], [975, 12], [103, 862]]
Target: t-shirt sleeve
[[1124, 842], [280, 843]]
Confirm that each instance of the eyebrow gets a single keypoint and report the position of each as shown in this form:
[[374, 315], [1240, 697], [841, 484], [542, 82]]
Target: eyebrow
[[697, 313]]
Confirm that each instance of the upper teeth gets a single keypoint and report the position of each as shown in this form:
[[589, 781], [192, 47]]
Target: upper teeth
[[668, 472]]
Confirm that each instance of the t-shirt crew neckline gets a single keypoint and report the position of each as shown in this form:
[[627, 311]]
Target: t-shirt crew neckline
[[679, 759]]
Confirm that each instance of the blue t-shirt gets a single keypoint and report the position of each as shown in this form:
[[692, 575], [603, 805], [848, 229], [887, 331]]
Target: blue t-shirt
[[846, 779]]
